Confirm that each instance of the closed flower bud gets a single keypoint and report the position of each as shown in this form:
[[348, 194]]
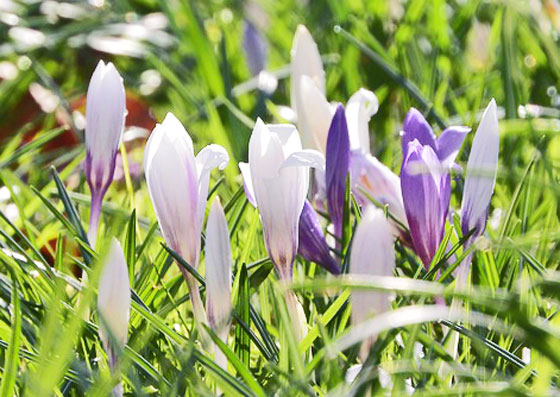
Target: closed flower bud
[[113, 301], [178, 186], [482, 168], [105, 114], [218, 275], [373, 255]]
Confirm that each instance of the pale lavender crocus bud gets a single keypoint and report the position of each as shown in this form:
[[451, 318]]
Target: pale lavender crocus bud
[[426, 182], [306, 61], [312, 243], [105, 114], [218, 276], [277, 181], [254, 46], [372, 254], [482, 168], [113, 305], [337, 168], [178, 185]]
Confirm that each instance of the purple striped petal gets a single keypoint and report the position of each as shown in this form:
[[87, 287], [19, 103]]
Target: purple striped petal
[[312, 244], [426, 193], [415, 126], [338, 166]]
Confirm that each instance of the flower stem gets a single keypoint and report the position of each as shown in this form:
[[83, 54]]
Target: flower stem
[[94, 214]]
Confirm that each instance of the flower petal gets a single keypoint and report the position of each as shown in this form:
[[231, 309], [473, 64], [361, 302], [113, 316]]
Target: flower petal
[[449, 143], [218, 270], [307, 157], [482, 168], [113, 298], [312, 244], [337, 167], [248, 183], [360, 108], [372, 253], [415, 126]]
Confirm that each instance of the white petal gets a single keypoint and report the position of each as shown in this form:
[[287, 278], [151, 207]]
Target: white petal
[[248, 183], [207, 159], [482, 168], [305, 158], [113, 299], [360, 108], [218, 269], [288, 136], [372, 254], [306, 61], [314, 115]]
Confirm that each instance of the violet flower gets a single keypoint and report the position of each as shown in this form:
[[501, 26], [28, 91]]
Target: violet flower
[[426, 182]]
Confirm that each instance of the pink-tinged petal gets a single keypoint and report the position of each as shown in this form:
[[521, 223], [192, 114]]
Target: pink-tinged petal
[[360, 108], [312, 244], [415, 126], [482, 169], [337, 167]]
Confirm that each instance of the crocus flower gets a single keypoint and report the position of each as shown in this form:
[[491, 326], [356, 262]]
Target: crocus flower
[[306, 61], [482, 168], [105, 114], [218, 275], [254, 47], [277, 181], [425, 180], [337, 168], [113, 302], [178, 185], [372, 253]]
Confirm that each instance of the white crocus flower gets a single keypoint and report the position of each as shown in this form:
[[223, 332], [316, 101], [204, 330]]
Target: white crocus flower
[[178, 186]]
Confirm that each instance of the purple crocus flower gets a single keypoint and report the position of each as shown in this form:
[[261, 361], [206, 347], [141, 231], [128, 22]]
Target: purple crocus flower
[[312, 244], [425, 180], [337, 167], [255, 48]]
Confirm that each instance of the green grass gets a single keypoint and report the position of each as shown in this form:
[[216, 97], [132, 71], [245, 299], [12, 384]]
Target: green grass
[[421, 54]]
